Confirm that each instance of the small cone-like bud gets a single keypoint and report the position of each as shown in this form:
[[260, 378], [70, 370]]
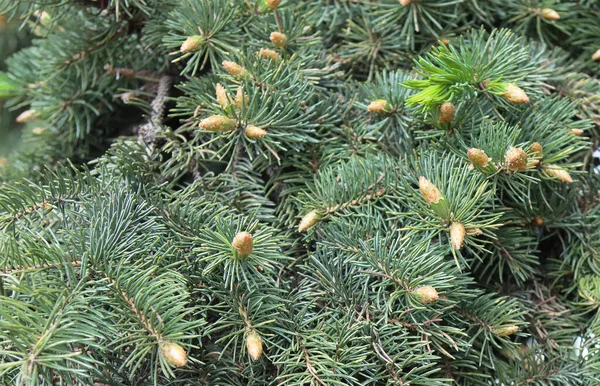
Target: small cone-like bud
[[407, 2], [254, 132], [474, 231], [26, 116], [596, 55], [445, 41], [537, 150], [549, 14], [478, 157], [222, 96], [234, 69], [457, 234], [426, 294], [505, 331], [242, 242], [254, 345], [279, 39], [559, 173], [217, 123], [272, 4], [515, 95], [174, 354], [191, 44], [241, 98], [538, 221], [266, 53], [38, 130], [309, 220], [516, 160], [379, 106], [429, 191], [446, 112], [576, 132]]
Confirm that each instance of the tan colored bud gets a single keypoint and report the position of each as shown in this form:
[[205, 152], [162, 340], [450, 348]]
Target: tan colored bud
[[596, 55], [242, 242], [536, 150], [173, 353], [217, 123], [426, 294], [478, 157], [515, 95], [266, 53], [429, 191], [241, 98], [254, 345], [538, 221], [254, 132], [559, 173], [379, 106], [272, 4], [234, 69], [222, 96], [191, 44], [407, 2], [576, 132], [446, 110], [457, 234], [445, 41], [3, 162], [516, 160], [278, 38], [474, 231], [505, 331], [26, 116], [308, 221], [38, 130], [549, 14]]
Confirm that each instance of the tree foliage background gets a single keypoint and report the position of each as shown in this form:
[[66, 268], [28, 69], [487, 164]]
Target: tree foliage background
[[324, 192]]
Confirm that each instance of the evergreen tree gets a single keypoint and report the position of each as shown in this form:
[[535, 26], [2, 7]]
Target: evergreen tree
[[323, 192]]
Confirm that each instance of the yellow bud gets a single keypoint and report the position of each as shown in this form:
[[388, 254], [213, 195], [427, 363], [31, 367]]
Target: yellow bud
[[217, 123], [309, 220], [379, 106], [191, 44], [272, 4], [516, 160], [222, 96], [429, 191], [505, 331], [538, 221], [474, 231], [457, 234], [559, 173], [254, 132], [596, 55], [537, 150], [266, 53], [38, 130], [549, 14], [241, 98], [406, 2], [515, 95], [478, 157], [576, 132], [426, 294], [234, 69], [242, 242], [26, 116], [173, 353], [279, 39], [446, 110]]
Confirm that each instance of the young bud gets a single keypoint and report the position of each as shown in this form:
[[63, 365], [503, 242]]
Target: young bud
[[3, 162], [3, 22], [505, 331], [538, 221], [222, 96], [549, 14], [26, 116], [406, 2], [445, 41], [379, 106], [266, 53], [173, 353], [559, 173], [217, 123], [234, 69], [446, 110], [596, 55], [191, 44], [516, 160], [269, 5], [457, 235], [38, 130], [478, 157], [279, 39], [537, 150], [241, 98], [429, 191], [254, 345], [474, 231], [426, 294], [242, 242], [515, 95], [576, 132], [309, 220], [254, 132]]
